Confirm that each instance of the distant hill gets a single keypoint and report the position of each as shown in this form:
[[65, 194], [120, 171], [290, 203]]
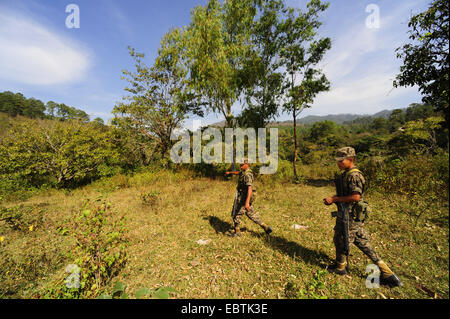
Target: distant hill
[[311, 119], [341, 118]]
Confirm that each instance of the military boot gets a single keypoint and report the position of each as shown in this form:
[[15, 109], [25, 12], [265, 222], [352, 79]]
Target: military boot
[[237, 232], [338, 268], [388, 278], [266, 228]]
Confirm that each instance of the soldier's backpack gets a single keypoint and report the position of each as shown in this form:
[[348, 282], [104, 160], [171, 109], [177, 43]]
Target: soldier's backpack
[[361, 211]]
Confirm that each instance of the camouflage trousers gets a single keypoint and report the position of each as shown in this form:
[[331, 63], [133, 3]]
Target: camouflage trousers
[[252, 214], [357, 235]]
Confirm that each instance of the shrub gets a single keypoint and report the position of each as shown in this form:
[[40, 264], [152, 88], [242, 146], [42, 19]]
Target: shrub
[[99, 253], [59, 153]]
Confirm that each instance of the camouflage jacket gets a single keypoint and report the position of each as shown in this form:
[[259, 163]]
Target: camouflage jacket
[[246, 179], [353, 181]]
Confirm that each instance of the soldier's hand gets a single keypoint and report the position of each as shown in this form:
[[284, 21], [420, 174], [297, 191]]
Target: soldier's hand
[[227, 173], [247, 207], [328, 200]]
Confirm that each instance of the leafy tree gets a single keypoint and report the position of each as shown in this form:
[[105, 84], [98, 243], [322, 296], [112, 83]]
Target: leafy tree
[[16, 104], [368, 144], [396, 119], [64, 112], [99, 121], [424, 132], [217, 44], [379, 124], [263, 78], [425, 59], [160, 99], [418, 111], [323, 129], [62, 153], [300, 54]]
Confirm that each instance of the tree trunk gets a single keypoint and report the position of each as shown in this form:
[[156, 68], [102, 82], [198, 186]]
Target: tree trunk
[[294, 114], [295, 145], [229, 124]]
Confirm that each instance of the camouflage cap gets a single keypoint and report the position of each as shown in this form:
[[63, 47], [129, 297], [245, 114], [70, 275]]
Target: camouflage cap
[[344, 153]]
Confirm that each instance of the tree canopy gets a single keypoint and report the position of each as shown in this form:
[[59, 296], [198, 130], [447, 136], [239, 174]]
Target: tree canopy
[[425, 59]]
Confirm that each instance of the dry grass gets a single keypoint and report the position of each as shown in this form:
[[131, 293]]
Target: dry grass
[[163, 235]]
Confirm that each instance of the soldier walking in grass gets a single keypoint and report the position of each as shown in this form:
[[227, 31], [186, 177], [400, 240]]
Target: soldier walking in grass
[[245, 195], [353, 186]]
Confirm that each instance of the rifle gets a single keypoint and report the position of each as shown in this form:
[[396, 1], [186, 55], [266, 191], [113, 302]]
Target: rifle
[[343, 211], [235, 204]]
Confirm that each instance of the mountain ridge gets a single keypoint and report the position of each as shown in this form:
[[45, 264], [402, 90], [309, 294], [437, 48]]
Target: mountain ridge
[[311, 119]]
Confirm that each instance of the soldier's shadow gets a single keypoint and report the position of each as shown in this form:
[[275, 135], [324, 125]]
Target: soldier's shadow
[[220, 226], [290, 248], [293, 249]]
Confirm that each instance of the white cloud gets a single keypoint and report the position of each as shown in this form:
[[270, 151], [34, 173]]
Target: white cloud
[[365, 95], [31, 53], [362, 65]]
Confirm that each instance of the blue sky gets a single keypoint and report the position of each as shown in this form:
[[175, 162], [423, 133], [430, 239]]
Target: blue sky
[[41, 58]]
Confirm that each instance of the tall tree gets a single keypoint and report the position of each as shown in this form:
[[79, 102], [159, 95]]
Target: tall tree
[[218, 42], [16, 104], [263, 77], [300, 54], [159, 98], [425, 59]]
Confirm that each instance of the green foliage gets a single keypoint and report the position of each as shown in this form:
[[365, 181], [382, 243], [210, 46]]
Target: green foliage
[[323, 132], [150, 198], [64, 112], [396, 119], [421, 136], [379, 124], [425, 59], [22, 265], [263, 79], [217, 45], [159, 99], [314, 288], [119, 292], [99, 252], [368, 145], [417, 111], [300, 54], [16, 104], [38, 152], [422, 178], [12, 216], [415, 174]]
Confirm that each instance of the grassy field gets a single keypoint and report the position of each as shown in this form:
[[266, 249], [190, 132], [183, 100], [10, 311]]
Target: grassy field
[[163, 234]]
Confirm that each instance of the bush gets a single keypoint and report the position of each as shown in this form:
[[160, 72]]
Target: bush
[[57, 153], [423, 179], [423, 174], [99, 253]]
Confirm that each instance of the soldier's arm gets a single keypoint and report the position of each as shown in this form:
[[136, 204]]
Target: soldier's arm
[[356, 187], [232, 173], [249, 195], [354, 197]]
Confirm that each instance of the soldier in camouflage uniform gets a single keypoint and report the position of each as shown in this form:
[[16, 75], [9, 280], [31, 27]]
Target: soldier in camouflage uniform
[[245, 198], [354, 186]]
